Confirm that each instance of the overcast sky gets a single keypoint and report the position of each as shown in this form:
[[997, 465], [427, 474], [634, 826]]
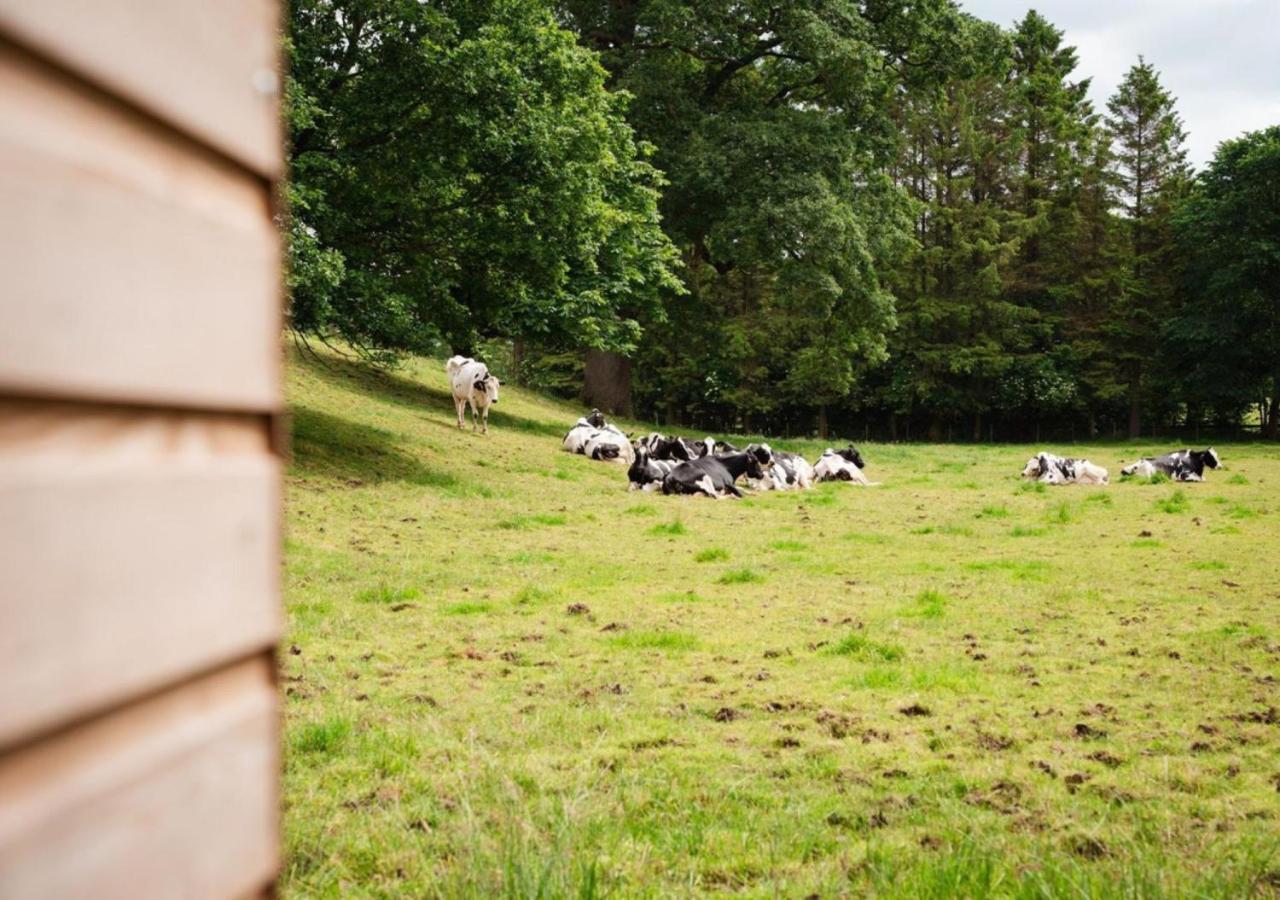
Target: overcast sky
[[1219, 58]]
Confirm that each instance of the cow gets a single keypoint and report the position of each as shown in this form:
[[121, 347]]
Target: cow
[[841, 465], [783, 471], [796, 472], [576, 439], [1180, 465], [1048, 468], [473, 385], [609, 444], [662, 447], [594, 437], [724, 447], [646, 473], [712, 475]]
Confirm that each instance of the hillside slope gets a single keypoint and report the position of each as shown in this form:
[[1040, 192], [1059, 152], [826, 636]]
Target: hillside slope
[[506, 675]]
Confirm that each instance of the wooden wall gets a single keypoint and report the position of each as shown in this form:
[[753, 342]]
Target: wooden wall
[[140, 474]]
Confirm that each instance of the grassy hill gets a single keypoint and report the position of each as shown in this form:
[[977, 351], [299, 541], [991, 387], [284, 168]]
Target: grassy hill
[[507, 675]]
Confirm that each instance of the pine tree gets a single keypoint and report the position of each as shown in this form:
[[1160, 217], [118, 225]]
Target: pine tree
[[1148, 173]]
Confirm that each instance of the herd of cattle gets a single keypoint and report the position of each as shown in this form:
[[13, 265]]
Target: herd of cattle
[[712, 467], [677, 465]]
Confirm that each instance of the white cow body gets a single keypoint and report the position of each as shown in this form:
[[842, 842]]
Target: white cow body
[[832, 466], [472, 386], [1048, 468]]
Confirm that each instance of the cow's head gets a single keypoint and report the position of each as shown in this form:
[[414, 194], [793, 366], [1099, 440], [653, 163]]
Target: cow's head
[[1035, 466], [1211, 458], [852, 455], [756, 469], [761, 453], [488, 386], [725, 447], [596, 419]]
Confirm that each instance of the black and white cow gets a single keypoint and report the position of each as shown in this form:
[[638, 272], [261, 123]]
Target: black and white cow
[[594, 437], [473, 386], [664, 447], [646, 473], [609, 444], [713, 476], [784, 471], [1048, 468], [577, 437], [841, 465], [1180, 465]]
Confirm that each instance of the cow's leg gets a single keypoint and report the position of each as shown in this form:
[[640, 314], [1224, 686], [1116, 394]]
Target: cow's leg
[[458, 407], [484, 414], [733, 490], [471, 404]]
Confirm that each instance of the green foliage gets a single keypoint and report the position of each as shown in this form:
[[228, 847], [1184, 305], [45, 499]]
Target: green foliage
[[773, 125], [1227, 341], [460, 170]]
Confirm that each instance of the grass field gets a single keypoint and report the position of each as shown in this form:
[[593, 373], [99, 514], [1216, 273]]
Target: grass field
[[508, 676]]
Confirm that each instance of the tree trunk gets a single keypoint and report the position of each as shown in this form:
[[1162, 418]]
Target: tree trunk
[[1273, 414], [893, 427], [1135, 409], [822, 421], [606, 382], [977, 428], [1093, 425], [517, 361]]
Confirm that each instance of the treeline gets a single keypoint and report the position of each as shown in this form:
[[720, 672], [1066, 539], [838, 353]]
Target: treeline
[[818, 215]]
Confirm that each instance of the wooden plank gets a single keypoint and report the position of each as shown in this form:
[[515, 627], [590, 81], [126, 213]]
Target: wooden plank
[[172, 797], [137, 549], [208, 68], [137, 269]]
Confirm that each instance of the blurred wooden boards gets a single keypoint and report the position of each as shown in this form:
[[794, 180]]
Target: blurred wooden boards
[[141, 545], [172, 797], [138, 267], [139, 462], [209, 69]]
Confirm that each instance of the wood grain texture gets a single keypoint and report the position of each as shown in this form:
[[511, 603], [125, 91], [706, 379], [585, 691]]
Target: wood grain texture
[[150, 561], [172, 797], [138, 269], [207, 68]]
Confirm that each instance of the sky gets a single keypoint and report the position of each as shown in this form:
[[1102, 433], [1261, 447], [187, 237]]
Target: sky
[[1219, 58]]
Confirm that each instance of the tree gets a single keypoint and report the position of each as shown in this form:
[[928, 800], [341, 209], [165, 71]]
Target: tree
[[459, 170], [772, 124], [1053, 117], [963, 333], [1227, 337], [1149, 171]]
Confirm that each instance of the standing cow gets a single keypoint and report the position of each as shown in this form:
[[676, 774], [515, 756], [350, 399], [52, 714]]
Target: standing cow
[[473, 386]]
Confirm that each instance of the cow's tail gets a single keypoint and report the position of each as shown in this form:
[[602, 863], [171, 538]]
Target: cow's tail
[[454, 365]]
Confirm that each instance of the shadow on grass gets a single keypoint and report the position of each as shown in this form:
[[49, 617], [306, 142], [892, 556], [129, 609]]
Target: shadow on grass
[[389, 387], [331, 447]]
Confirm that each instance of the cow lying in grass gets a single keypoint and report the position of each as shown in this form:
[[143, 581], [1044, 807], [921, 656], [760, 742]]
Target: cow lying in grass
[[784, 471], [1047, 468], [714, 476], [1180, 465], [841, 465], [592, 436], [646, 473], [473, 386]]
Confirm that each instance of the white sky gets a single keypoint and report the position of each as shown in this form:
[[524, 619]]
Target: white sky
[[1219, 58]]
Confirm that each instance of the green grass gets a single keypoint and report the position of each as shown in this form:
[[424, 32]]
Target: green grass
[[507, 686]]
